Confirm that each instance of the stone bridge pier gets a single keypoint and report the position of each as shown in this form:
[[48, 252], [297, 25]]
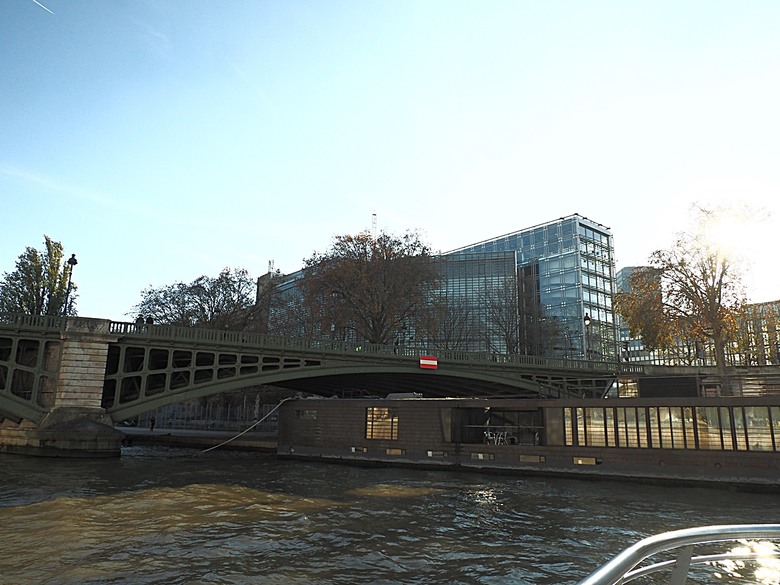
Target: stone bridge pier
[[74, 424]]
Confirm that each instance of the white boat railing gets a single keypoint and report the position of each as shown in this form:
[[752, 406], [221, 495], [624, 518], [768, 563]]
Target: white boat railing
[[625, 567]]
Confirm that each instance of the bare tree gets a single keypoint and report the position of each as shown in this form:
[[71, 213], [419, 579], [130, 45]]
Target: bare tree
[[502, 317], [515, 321], [373, 285], [448, 323]]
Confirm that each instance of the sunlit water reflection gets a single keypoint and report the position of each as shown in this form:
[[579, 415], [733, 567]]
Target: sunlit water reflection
[[174, 516]]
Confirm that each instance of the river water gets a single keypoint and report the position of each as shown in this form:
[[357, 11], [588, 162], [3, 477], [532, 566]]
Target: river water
[[160, 515]]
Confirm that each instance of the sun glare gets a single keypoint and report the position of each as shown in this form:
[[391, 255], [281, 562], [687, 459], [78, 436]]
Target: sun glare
[[731, 234]]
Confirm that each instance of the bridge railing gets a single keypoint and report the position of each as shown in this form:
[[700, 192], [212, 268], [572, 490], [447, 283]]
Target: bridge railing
[[21, 321], [401, 352]]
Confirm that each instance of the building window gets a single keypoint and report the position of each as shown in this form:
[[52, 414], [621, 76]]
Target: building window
[[381, 423]]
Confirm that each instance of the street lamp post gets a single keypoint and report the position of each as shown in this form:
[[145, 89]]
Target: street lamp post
[[586, 320], [334, 299], [71, 263]]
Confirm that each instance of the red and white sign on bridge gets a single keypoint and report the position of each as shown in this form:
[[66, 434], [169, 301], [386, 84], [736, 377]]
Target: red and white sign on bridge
[[429, 362]]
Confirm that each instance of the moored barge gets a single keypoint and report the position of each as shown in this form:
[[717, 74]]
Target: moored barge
[[731, 441]]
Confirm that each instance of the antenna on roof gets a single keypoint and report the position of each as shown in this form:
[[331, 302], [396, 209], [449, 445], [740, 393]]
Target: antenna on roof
[[373, 226]]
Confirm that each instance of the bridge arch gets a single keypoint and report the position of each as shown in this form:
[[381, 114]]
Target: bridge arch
[[338, 381]]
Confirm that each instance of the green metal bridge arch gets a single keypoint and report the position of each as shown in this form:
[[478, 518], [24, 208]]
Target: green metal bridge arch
[[155, 366], [151, 366]]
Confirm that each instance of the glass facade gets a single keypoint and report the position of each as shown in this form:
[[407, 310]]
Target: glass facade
[[526, 292], [476, 296], [565, 271], [741, 428]]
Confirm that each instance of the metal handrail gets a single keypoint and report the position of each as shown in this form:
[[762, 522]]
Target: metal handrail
[[197, 334], [625, 566]]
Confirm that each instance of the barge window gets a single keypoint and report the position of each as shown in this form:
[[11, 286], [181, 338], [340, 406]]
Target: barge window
[[754, 428], [655, 430], [708, 426], [725, 425], [581, 431], [677, 428], [609, 422], [622, 428], [594, 427], [641, 428], [759, 431], [632, 428], [687, 420], [665, 426], [381, 423], [740, 429]]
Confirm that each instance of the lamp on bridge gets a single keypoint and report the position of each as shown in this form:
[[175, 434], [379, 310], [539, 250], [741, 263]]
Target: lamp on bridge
[[586, 320], [71, 263]]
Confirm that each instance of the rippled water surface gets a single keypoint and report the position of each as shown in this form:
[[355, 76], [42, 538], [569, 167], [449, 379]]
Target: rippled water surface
[[176, 516]]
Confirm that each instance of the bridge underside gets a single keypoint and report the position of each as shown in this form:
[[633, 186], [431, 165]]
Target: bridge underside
[[439, 386]]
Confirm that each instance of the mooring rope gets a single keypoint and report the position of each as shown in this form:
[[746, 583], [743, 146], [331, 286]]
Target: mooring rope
[[270, 412]]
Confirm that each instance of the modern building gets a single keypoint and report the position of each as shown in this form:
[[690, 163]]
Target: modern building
[[759, 336], [632, 349], [564, 272], [544, 290]]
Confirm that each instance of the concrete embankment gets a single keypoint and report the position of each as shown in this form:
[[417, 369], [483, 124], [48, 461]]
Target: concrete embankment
[[197, 439]]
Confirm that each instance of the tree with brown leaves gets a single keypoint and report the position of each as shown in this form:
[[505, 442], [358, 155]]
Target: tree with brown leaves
[[375, 286], [690, 293]]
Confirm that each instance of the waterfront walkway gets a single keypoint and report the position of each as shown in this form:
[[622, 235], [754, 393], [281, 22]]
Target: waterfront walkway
[[199, 439]]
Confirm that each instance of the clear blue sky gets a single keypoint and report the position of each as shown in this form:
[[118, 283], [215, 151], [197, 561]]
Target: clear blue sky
[[162, 140]]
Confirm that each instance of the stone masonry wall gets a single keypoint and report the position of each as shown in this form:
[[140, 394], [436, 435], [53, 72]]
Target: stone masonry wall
[[83, 364]]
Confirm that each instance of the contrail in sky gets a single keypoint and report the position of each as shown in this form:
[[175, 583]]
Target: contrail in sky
[[42, 6]]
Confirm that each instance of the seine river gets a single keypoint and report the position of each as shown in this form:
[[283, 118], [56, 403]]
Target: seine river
[[160, 515]]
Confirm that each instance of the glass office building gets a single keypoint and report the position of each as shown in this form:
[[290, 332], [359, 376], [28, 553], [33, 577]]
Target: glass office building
[[565, 275], [546, 290]]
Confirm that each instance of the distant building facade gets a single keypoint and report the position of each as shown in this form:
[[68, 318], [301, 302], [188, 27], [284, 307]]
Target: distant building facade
[[544, 290], [756, 343], [565, 275]]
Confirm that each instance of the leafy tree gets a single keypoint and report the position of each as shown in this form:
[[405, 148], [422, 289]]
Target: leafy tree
[[232, 300], [373, 285], [691, 293], [39, 283]]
